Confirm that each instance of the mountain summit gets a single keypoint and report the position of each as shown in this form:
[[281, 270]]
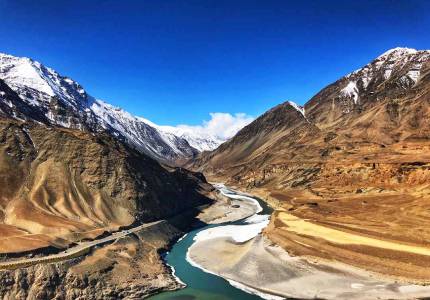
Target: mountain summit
[[383, 102], [355, 159], [390, 75], [64, 102]]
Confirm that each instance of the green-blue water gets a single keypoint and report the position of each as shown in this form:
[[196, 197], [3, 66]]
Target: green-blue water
[[201, 285]]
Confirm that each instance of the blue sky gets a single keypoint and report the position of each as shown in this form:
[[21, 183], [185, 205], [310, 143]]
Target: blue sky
[[174, 61]]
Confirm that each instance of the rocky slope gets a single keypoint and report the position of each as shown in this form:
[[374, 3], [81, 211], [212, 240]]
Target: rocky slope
[[64, 102], [61, 185], [355, 158], [128, 269]]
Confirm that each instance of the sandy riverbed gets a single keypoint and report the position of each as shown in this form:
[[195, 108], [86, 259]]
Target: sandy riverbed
[[229, 209], [260, 264], [250, 259]]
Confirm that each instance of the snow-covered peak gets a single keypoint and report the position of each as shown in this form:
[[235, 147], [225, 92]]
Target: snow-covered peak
[[65, 103], [198, 139], [22, 71], [391, 59], [299, 108], [398, 51], [401, 66], [36, 83]]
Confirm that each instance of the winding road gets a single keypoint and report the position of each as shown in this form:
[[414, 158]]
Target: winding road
[[80, 249]]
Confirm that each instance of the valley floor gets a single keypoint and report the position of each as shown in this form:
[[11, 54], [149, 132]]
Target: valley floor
[[260, 264]]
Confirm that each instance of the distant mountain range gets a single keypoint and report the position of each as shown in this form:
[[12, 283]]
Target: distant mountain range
[[54, 99]]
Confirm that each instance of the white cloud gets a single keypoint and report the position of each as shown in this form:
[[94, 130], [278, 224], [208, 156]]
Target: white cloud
[[221, 125]]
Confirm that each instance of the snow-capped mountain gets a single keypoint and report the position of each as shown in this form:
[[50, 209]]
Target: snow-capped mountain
[[139, 133], [401, 66], [379, 113], [64, 102], [390, 75], [198, 139]]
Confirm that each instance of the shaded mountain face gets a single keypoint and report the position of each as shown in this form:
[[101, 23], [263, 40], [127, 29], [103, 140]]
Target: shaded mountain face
[[255, 141], [64, 102], [11, 105], [357, 160]]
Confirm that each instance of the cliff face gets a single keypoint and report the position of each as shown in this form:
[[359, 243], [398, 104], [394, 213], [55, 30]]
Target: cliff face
[[356, 160]]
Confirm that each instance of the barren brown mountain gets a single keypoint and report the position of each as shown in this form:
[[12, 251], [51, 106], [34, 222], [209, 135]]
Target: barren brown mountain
[[349, 173], [62, 186]]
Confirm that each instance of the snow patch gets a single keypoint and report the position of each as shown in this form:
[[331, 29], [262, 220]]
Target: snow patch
[[387, 73], [351, 90], [414, 75], [299, 108]]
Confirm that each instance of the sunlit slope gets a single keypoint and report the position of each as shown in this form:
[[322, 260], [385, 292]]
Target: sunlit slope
[[357, 159], [58, 185]]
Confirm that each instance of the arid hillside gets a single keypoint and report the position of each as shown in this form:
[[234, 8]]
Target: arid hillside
[[355, 159], [60, 185]]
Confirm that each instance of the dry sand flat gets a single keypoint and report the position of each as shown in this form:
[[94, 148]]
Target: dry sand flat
[[394, 246], [304, 227], [251, 259], [261, 265], [227, 210]]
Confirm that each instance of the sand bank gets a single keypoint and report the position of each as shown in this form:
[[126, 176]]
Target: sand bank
[[258, 264], [229, 207]]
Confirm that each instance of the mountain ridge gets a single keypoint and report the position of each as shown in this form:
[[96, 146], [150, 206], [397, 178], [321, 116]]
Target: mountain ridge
[[357, 161], [344, 101], [65, 103]]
